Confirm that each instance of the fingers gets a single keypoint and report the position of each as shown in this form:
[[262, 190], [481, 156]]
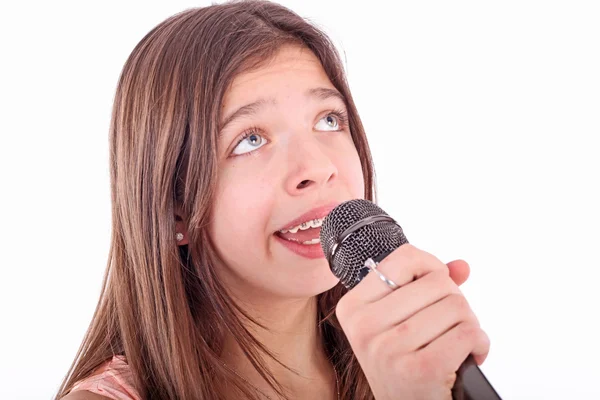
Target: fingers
[[403, 265], [417, 334], [452, 348], [407, 301], [427, 325], [459, 271]]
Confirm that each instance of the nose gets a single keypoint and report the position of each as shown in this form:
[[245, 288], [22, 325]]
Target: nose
[[310, 166]]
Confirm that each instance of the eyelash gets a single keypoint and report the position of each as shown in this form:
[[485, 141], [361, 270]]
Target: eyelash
[[341, 115]]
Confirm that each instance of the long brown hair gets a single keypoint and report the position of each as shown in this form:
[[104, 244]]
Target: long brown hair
[[161, 304]]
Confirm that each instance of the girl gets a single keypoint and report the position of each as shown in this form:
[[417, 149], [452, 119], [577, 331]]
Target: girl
[[233, 134]]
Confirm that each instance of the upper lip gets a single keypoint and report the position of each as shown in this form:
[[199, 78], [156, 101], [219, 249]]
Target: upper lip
[[318, 212]]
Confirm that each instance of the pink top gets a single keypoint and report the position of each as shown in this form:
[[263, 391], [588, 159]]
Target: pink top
[[113, 379]]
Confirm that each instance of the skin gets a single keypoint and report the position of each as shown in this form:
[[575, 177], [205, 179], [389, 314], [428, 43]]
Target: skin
[[301, 158], [260, 191], [410, 341], [306, 158], [404, 340]]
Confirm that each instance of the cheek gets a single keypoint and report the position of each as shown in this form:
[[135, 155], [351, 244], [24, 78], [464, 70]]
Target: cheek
[[240, 212], [351, 171]]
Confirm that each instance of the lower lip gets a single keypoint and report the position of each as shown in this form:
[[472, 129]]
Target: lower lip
[[311, 251]]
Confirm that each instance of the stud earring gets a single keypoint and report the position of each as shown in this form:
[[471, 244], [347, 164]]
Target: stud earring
[[179, 236]]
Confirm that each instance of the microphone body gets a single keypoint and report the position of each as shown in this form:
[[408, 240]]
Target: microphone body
[[357, 230]]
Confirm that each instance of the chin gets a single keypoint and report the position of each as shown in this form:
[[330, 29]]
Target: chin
[[314, 284]]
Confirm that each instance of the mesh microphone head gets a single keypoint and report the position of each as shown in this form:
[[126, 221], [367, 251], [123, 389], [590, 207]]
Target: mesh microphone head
[[372, 240]]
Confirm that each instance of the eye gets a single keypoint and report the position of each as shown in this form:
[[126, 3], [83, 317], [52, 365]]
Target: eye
[[334, 121], [250, 141]]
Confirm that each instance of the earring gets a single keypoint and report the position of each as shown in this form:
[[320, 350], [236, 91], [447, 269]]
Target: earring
[[179, 236]]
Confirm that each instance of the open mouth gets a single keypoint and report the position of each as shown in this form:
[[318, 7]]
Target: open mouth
[[302, 235], [306, 233]]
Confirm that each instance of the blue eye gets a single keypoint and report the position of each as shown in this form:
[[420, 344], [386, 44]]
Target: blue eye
[[334, 121], [250, 141]]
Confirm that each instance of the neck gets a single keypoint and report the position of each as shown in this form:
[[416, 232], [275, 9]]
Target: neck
[[292, 335]]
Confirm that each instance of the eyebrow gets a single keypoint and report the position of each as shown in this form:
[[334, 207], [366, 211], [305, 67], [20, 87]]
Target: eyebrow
[[252, 108]]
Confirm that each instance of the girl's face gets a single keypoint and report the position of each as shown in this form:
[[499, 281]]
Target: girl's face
[[284, 150]]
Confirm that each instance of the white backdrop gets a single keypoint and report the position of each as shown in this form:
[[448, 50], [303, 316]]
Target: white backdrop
[[484, 120]]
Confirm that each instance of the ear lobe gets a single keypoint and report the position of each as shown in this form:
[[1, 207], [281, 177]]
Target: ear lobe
[[180, 228]]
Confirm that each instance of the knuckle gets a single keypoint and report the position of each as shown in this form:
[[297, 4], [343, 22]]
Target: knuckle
[[459, 307], [409, 249], [356, 339], [418, 259], [442, 281], [468, 331], [410, 253], [343, 309], [483, 338], [444, 271], [340, 314], [432, 262], [344, 318], [463, 309], [460, 304], [435, 263], [404, 329]]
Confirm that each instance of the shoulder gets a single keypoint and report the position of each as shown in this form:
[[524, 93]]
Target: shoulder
[[84, 395], [111, 380]]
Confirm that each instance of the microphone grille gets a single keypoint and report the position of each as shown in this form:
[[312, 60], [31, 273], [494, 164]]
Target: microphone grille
[[369, 241]]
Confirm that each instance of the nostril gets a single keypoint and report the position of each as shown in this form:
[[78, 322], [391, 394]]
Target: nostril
[[303, 184]]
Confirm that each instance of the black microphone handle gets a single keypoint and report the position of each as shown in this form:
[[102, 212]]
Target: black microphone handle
[[471, 383]]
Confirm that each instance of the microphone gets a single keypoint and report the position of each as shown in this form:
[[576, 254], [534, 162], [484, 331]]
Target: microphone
[[357, 230]]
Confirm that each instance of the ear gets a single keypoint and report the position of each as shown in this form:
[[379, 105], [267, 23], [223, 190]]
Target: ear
[[180, 228]]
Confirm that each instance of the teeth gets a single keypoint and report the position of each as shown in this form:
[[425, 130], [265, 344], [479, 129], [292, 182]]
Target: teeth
[[313, 241], [315, 223]]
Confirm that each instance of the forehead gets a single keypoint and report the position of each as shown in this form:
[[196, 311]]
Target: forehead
[[292, 67]]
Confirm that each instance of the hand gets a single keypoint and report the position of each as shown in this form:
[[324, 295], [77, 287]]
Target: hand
[[411, 341]]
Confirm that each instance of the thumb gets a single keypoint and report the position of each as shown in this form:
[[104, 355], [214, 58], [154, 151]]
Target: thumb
[[459, 271]]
